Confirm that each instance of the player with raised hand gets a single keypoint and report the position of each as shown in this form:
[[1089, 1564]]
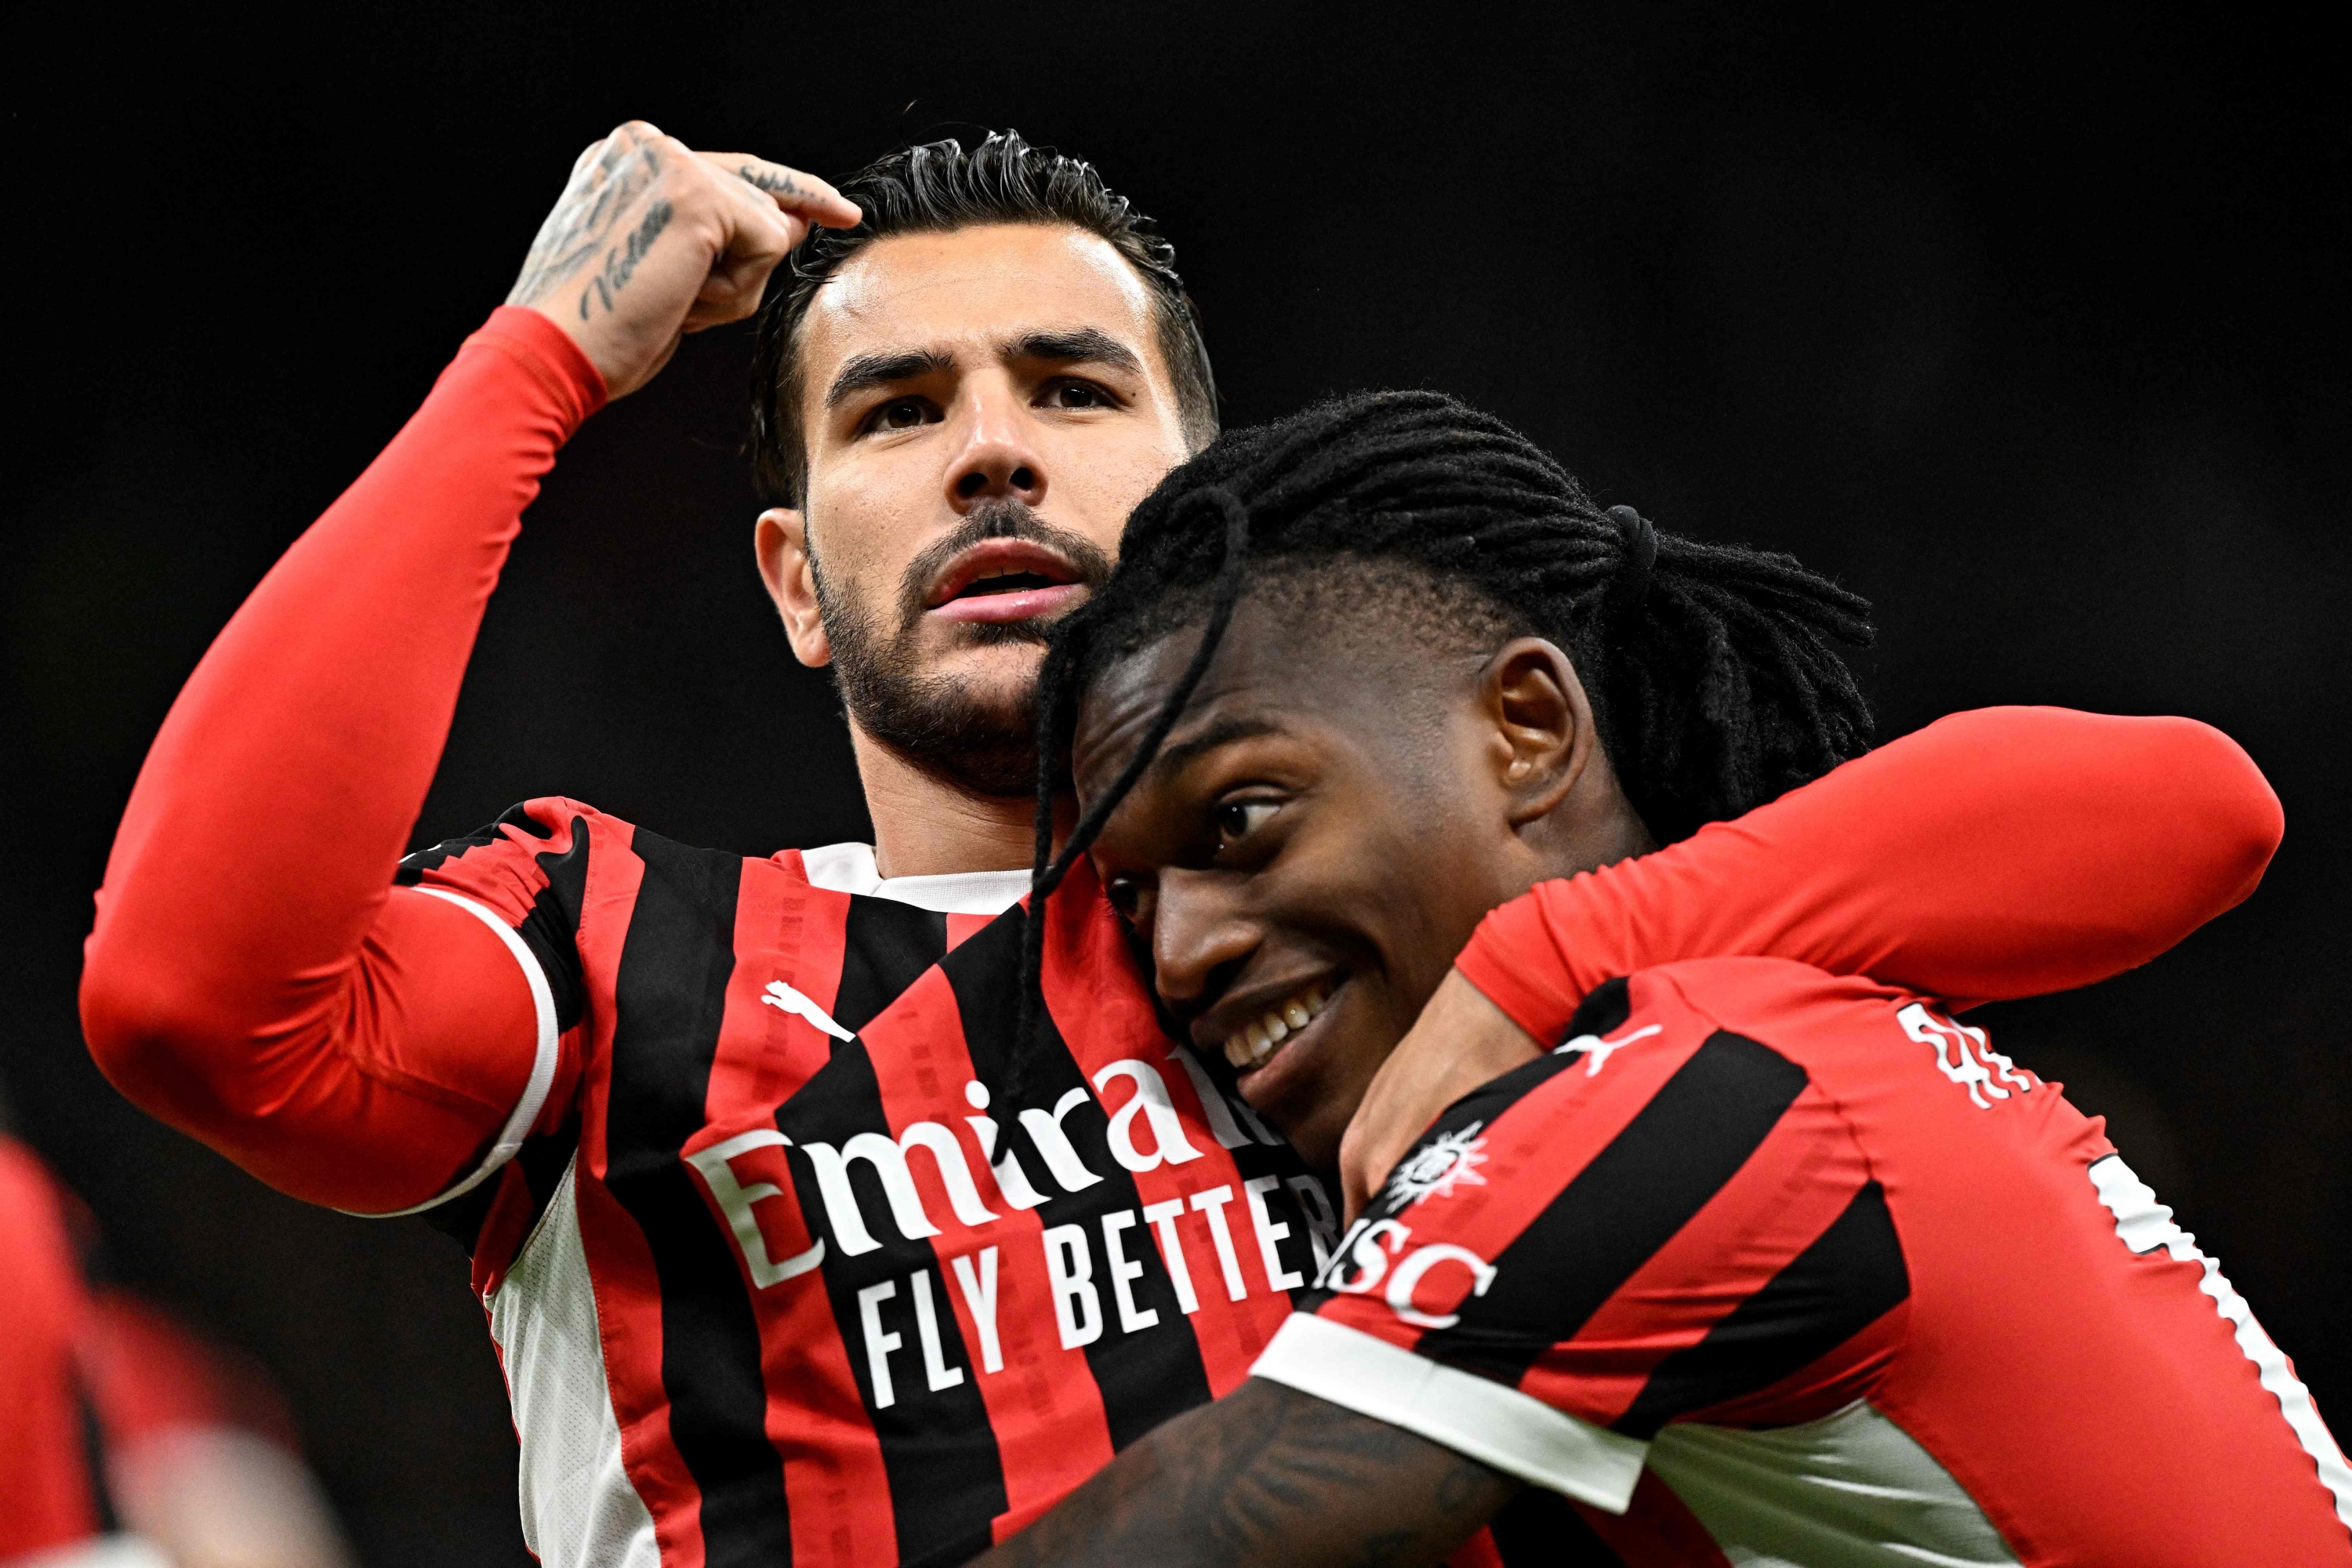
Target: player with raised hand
[[652, 240], [785, 1257], [1728, 1260]]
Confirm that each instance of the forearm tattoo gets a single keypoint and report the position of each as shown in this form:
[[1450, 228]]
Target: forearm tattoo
[[584, 231], [1269, 1475]]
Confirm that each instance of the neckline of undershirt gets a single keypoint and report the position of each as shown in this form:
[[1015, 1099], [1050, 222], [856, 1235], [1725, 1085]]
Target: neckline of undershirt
[[849, 868]]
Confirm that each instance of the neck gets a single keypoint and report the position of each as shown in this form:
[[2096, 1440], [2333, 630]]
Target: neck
[[924, 827], [1597, 827]]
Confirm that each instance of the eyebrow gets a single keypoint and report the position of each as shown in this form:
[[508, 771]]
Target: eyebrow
[[869, 370], [1066, 346], [1072, 344], [1174, 760]]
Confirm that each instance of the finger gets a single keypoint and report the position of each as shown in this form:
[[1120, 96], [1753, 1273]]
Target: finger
[[789, 189], [760, 232], [760, 237]]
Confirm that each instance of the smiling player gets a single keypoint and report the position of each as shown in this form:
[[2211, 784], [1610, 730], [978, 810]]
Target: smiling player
[[1754, 1264], [783, 1259]]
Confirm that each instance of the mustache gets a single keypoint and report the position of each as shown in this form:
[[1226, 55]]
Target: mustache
[[999, 518]]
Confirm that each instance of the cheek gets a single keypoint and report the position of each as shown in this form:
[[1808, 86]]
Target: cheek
[[862, 533], [1103, 475]]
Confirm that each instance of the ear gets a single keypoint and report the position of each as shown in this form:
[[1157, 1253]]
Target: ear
[[780, 539], [1543, 739]]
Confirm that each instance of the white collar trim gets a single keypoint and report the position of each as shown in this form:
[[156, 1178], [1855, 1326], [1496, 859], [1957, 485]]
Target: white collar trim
[[849, 868]]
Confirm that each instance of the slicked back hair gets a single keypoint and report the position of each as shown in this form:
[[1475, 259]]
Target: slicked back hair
[[938, 188], [1711, 669]]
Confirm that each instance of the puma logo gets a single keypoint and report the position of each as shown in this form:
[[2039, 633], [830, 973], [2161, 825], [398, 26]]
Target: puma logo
[[782, 996]]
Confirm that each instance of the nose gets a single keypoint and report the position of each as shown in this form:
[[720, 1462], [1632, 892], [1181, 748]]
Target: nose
[[1200, 938], [997, 460]]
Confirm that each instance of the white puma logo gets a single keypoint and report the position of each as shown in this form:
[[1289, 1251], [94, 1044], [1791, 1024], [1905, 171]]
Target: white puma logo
[[1598, 1051], [782, 996]]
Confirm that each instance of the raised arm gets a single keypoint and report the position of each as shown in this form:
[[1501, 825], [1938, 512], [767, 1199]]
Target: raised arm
[[253, 978]]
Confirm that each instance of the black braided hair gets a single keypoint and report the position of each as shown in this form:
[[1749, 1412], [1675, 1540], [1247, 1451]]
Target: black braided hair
[[1711, 671]]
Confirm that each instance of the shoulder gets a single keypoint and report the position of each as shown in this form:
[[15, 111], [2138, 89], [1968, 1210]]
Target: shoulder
[[1728, 987], [1776, 1001], [547, 825], [1720, 1053]]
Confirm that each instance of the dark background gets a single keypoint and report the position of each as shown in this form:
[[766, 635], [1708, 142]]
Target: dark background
[[2034, 333]]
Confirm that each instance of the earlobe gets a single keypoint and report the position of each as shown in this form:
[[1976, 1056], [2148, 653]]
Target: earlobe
[[1542, 721], [780, 541]]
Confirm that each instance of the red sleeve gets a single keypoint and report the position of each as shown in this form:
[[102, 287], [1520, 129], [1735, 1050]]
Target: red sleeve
[[2002, 853], [254, 978]]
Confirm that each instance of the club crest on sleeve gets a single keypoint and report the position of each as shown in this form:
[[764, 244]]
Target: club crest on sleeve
[[1437, 1167]]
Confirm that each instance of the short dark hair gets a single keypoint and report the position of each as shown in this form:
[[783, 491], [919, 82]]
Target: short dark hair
[[937, 188]]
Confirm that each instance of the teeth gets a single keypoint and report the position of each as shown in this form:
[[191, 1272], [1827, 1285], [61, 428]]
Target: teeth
[[1255, 1041]]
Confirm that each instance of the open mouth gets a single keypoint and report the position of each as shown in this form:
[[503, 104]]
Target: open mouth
[[1253, 1045], [1004, 580]]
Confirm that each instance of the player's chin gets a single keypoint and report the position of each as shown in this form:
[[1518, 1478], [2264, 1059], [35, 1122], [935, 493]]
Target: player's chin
[[948, 635], [992, 671], [1309, 1087]]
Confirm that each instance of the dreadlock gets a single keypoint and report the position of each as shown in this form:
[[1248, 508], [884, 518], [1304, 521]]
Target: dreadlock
[[1710, 668]]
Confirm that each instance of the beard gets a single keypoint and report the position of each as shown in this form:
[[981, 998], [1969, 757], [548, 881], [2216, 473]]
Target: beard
[[976, 736]]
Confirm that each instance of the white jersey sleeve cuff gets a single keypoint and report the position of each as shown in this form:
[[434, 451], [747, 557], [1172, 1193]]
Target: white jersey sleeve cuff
[[1515, 1433], [543, 1067]]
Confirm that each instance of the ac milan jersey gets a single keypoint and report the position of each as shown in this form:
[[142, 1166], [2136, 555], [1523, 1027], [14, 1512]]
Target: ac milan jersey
[[819, 1263], [1843, 1282]]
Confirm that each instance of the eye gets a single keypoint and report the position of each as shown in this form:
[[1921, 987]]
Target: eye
[[1130, 898], [1237, 819], [1076, 394], [901, 414]]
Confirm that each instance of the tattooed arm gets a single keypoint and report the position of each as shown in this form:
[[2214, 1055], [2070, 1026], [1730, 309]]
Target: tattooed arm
[[652, 240], [1269, 1475]]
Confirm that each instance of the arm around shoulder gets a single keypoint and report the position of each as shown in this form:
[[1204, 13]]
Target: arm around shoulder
[[1998, 853]]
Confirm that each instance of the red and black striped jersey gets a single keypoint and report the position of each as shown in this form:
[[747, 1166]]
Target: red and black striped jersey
[[781, 1271], [1822, 1274]]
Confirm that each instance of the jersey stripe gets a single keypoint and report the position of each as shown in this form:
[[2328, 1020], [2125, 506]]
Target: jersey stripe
[[1790, 1190], [943, 1480], [1689, 1137], [765, 1055], [1145, 1376], [1240, 1157], [669, 1003], [1050, 1427], [886, 948], [1849, 1278]]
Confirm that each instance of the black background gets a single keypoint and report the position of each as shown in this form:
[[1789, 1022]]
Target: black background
[[2033, 332]]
